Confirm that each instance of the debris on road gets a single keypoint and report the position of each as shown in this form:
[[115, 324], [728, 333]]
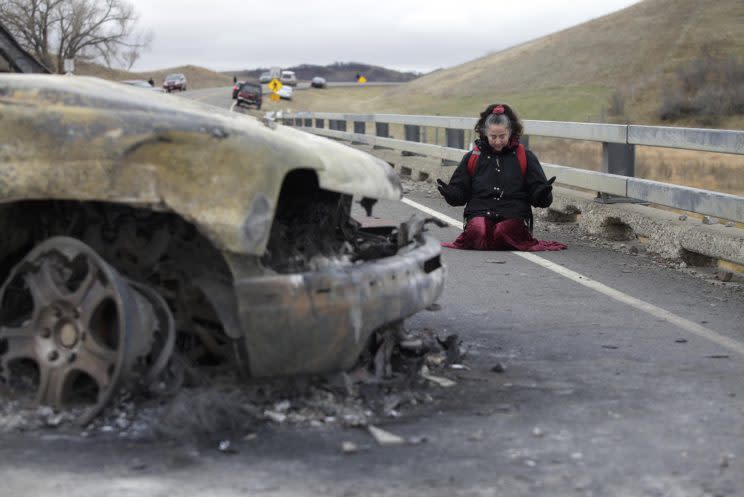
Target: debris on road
[[385, 438], [349, 448], [215, 401], [439, 380], [226, 447], [498, 368]]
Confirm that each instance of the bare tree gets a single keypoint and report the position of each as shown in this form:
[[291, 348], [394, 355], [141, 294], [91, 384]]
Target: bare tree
[[55, 30]]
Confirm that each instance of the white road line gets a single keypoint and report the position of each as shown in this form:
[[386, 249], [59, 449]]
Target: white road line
[[651, 309], [436, 214]]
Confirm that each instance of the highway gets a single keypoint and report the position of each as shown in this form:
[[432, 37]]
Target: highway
[[623, 375], [595, 371]]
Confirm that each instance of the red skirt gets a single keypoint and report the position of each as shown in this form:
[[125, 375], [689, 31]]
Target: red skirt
[[509, 234]]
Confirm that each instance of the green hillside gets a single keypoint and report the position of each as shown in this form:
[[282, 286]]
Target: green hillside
[[628, 58]]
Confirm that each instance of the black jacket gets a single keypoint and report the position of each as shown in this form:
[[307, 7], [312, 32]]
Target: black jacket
[[497, 188]]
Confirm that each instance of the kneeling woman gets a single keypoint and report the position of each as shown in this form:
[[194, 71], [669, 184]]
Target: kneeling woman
[[498, 182]]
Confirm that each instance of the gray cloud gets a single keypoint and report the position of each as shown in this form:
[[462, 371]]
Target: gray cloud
[[405, 34]]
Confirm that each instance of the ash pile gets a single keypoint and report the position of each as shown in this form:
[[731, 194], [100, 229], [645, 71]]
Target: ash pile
[[399, 372]]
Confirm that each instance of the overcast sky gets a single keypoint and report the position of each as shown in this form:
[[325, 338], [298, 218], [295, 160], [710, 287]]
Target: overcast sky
[[410, 35]]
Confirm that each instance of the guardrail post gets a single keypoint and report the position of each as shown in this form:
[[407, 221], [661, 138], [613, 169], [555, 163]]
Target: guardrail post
[[361, 129], [382, 130], [454, 138], [412, 134], [320, 123], [618, 158], [337, 124]]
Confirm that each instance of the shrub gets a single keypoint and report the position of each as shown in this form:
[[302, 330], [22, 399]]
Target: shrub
[[708, 88]]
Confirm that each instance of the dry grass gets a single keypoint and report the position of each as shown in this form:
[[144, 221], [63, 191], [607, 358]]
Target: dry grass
[[197, 77], [707, 170]]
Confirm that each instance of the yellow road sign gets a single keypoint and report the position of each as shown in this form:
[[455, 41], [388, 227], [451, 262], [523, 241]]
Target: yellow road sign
[[275, 85], [274, 97], [362, 79]]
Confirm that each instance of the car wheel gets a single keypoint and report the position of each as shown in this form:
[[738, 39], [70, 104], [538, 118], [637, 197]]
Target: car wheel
[[85, 319]]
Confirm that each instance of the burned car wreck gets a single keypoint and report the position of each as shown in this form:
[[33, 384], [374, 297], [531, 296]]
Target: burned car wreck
[[137, 228]]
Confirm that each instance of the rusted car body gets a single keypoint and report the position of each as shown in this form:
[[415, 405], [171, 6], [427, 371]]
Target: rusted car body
[[244, 228]]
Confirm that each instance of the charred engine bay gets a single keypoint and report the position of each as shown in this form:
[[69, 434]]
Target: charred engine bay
[[313, 229], [113, 260]]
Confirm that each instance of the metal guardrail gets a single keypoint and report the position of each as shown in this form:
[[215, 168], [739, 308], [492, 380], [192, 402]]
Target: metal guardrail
[[618, 141]]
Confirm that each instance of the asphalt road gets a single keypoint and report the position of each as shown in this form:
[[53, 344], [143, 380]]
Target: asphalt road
[[622, 378]]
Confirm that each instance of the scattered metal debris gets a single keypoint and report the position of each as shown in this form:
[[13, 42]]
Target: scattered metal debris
[[439, 380], [214, 401], [385, 438]]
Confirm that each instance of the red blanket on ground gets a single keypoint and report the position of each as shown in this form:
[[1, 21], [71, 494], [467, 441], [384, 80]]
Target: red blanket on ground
[[510, 234]]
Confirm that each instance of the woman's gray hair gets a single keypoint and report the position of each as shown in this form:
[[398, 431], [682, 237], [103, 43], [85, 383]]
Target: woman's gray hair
[[498, 119]]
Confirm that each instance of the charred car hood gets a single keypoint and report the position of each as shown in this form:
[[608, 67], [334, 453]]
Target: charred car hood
[[78, 138]]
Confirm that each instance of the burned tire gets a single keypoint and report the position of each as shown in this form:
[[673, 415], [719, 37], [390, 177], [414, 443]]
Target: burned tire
[[70, 318]]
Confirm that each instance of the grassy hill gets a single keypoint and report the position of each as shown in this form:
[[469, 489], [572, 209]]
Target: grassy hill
[[624, 61], [197, 77]]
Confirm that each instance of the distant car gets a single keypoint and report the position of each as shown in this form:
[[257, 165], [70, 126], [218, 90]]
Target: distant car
[[285, 92], [173, 82], [318, 82], [236, 89], [289, 78], [250, 94], [141, 83], [265, 77]]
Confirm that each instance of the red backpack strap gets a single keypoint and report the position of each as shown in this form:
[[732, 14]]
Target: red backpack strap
[[475, 155], [522, 158], [473, 160]]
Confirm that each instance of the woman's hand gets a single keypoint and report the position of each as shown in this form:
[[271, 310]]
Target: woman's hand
[[445, 190], [542, 196]]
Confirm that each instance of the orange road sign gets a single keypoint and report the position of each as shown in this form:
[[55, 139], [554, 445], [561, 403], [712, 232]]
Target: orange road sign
[[274, 97]]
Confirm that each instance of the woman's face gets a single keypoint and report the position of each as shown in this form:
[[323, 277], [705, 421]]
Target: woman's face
[[498, 136]]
